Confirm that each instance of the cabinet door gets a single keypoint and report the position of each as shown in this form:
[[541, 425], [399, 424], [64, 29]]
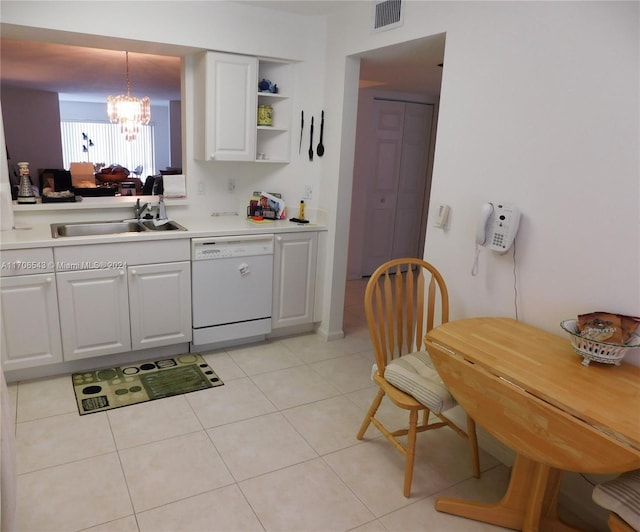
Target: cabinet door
[[397, 183], [30, 324], [226, 107], [294, 279], [94, 313], [160, 304]]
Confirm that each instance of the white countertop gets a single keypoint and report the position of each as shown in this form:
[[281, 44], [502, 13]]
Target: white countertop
[[39, 235]]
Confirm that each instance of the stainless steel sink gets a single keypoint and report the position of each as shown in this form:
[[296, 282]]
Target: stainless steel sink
[[167, 226], [111, 228]]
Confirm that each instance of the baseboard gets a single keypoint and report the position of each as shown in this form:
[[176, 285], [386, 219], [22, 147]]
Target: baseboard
[[292, 330], [93, 363], [329, 336]]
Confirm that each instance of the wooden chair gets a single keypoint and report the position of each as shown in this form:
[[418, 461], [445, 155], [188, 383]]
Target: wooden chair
[[401, 301], [621, 496]]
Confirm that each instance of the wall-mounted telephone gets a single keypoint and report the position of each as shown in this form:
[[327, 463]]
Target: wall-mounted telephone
[[497, 226]]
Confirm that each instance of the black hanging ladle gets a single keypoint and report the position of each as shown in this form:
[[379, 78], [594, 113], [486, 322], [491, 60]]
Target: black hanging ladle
[[311, 142], [320, 150]]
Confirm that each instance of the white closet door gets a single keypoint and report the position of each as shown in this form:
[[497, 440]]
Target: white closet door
[[412, 180], [397, 184], [383, 184]]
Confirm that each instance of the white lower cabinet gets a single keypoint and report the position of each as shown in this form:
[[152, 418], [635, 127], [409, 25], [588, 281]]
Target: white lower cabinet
[[294, 279], [103, 312], [160, 304], [128, 306], [30, 325], [94, 312]]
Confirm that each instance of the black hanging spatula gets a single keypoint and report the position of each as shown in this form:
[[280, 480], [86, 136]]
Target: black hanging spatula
[[320, 150], [311, 142]]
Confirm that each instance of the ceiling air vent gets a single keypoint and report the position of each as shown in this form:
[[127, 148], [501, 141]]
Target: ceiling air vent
[[387, 14]]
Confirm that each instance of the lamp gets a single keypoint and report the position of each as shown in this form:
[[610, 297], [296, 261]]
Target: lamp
[[88, 143], [129, 112]]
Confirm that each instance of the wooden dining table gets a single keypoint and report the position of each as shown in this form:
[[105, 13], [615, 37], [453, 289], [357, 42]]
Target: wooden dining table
[[529, 389]]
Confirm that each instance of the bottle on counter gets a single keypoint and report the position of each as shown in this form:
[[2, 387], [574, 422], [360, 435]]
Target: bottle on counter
[[301, 211]]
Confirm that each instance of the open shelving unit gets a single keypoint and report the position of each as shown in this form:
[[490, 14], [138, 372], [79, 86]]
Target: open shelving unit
[[275, 141]]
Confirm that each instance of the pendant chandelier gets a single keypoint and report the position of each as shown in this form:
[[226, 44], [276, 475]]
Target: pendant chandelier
[[129, 112]]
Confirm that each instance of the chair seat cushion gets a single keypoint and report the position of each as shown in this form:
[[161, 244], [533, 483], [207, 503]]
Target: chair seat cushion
[[622, 497], [415, 374]]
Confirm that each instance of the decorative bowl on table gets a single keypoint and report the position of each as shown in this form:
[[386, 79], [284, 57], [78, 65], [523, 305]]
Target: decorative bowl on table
[[604, 352]]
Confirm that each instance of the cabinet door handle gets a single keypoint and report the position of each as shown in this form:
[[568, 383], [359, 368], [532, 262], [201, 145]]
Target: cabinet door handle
[[49, 280], [133, 272], [279, 238], [212, 156]]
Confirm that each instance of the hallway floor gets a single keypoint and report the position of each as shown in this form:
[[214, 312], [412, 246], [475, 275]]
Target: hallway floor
[[273, 449]]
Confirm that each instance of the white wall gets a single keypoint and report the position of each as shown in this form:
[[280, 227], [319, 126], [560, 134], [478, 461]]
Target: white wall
[[539, 106]]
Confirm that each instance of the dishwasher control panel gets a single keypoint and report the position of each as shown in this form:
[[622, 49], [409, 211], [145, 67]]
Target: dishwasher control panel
[[231, 246]]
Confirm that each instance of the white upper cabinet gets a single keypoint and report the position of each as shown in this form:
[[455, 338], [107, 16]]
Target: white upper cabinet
[[226, 109]]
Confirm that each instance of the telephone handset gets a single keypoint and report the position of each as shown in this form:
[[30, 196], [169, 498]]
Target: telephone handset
[[497, 226]]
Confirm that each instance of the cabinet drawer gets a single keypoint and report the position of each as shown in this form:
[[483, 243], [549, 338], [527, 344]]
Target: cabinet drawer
[[26, 262], [119, 255]]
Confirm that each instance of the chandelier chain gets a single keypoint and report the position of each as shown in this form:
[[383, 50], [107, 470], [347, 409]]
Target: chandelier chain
[[129, 112], [128, 82]]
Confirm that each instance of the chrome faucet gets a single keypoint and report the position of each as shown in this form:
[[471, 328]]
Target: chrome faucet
[[162, 210], [140, 208]]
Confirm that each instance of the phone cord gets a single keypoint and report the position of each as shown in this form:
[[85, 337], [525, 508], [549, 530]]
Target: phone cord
[[476, 262]]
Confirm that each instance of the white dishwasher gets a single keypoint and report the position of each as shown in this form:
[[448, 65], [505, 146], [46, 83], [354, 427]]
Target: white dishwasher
[[231, 284]]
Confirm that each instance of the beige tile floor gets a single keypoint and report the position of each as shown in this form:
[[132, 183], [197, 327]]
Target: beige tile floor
[[273, 449]]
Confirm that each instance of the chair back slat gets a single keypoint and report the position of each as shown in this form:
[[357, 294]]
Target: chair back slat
[[396, 322], [407, 297], [432, 303], [389, 319], [403, 299], [375, 320], [420, 308]]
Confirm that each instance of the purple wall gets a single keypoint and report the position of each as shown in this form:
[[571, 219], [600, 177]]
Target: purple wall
[[32, 129], [175, 132]]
